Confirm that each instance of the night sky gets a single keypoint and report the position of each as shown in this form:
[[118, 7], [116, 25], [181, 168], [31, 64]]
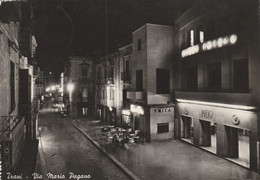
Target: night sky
[[93, 27]]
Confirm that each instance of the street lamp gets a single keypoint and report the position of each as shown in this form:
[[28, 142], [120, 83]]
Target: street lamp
[[70, 87]]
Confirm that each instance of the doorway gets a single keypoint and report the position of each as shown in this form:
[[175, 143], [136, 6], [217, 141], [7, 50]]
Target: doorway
[[238, 145], [187, 129], [208, 135]]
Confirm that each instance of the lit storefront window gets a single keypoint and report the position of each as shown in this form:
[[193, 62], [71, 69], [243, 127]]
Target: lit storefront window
[[192, 37], [136, 109], [201, 37]]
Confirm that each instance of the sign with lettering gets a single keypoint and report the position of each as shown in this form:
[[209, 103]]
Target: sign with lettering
[[208, 114], [162, 111]]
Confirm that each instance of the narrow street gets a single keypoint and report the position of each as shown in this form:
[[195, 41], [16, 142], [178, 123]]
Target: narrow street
[[67, 151]]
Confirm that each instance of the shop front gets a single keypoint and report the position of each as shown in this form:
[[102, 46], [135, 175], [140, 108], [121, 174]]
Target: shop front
[[161, 122], [138, 121], [126, 119], [107, 115], [226, 130]]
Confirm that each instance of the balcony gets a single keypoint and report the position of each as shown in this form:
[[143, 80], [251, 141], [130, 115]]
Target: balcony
[[109, 80], [217, 97], [135, 95], [105, 81], [12, 140]]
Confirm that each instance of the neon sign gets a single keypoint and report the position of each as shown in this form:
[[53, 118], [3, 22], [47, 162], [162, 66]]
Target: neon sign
[[209, 45], [136, 109]]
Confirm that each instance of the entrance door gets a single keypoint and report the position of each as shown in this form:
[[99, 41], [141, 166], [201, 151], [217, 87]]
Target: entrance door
[[232, 138], [238, 145], [208, 136], [136, 123], [206, 133], [187, 128]]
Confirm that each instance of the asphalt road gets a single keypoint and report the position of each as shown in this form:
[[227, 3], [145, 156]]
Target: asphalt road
[[67, 151]]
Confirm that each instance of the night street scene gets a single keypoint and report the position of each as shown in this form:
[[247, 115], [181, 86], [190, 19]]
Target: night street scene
[[130, 89]]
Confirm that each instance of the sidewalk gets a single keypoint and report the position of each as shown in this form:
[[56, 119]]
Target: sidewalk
[[170, 159], [27, 161]]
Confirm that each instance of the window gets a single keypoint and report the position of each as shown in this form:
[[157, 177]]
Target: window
[[192, 78], [98, 93], [105, 73], [191, 38], [127, 70], [162, 81], [240, 75], [139, 80], [99, 73], [162, 128], [201, 36], [104, 94], [84, 94], [111, 73], [214, 76], [139, 45], [12, 85], [111, 94]]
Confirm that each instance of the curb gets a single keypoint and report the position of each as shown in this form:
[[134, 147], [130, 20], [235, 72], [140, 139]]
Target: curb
[[122, 167]]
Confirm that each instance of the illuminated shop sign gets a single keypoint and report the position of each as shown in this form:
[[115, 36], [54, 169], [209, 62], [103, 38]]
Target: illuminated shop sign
[[5, 1], [209, 45], [126, 112], [136, 109]]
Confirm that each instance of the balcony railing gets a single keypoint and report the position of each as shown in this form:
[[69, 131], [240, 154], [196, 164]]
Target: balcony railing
[[109, 80], [12, 140], [9, 122]]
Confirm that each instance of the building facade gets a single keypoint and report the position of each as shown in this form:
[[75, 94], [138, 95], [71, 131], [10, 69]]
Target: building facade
[[217, 97], [124, 75], [16, 82], [151, 107], [79, 84], [107, 82]]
